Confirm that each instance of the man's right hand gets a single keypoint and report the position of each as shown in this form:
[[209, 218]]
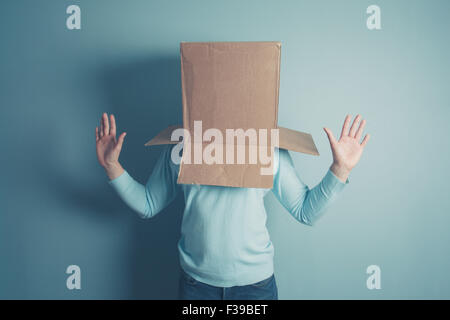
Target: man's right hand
[[108, 147]]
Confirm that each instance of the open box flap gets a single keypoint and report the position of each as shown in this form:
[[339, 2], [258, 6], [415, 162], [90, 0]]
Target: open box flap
[[163, 137]]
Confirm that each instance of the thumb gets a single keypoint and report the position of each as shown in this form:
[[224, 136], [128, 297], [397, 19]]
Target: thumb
[[330, 136], [120, 141]]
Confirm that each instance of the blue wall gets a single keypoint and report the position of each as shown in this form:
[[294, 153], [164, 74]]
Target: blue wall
[[56, 206]]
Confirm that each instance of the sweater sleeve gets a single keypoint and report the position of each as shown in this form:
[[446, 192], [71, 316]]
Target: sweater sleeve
[[304, 204], [160, 189]]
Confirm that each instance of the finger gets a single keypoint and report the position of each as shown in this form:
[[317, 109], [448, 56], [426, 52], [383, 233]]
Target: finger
[[360, 130], [101, 127], [330, 136], [365, 140], [344, 131], [105, 124], [354, 126], [120, 141], [112, 130], [97, 137]]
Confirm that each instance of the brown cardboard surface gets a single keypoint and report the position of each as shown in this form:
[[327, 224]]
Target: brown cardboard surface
[[231, 85]]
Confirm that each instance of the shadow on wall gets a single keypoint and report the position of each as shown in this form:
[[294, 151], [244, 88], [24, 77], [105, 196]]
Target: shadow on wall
[[145, 96]]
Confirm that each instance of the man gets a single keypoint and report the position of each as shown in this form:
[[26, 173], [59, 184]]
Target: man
[[225, 249]]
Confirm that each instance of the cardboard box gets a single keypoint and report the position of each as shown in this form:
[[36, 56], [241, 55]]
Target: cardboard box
[[230, 86]]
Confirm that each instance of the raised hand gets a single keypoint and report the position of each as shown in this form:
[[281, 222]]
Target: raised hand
[[108, 147], [348, 150]]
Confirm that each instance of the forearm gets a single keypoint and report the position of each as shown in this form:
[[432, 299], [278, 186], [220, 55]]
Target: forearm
[[131, 192], [304, 204], [151, 198], [319, 198]]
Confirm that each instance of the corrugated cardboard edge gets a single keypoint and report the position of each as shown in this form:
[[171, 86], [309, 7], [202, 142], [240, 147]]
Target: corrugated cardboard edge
[[184, 100], [277, 99]]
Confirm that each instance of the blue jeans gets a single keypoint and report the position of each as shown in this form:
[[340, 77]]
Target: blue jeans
[[191, 289]]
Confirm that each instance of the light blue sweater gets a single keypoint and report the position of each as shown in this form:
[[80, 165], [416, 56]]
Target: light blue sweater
[[224, 240]]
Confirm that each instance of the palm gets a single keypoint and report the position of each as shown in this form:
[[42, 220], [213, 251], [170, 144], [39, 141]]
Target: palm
[[106, 150], [348, 150], [108, 147]]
